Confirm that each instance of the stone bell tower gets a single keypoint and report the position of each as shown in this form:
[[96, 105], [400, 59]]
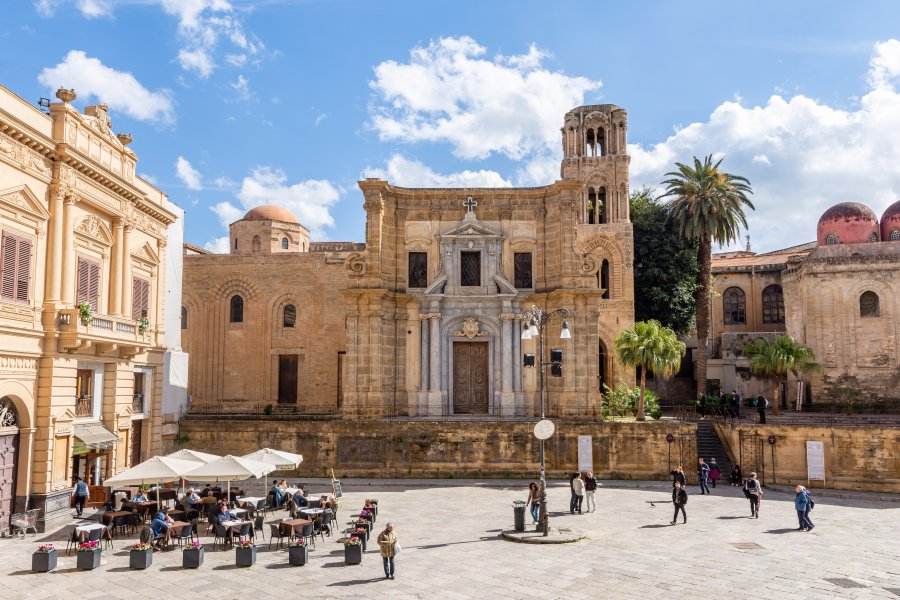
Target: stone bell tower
[[595, 153]]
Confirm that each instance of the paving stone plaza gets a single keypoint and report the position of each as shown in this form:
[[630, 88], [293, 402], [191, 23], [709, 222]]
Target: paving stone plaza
[[449, 532]]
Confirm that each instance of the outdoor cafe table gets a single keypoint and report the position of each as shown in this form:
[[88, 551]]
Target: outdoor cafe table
[[293, 527], [249, 501], [83, 532], [234, 527], [238, 511], [289, 491], [312, 511], [109, 517]]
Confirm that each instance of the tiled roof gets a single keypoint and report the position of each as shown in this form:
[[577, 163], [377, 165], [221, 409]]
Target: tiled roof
[[773, 258]]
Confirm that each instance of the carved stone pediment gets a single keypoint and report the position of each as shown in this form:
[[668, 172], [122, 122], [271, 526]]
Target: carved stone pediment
[[470, 329], [471, 230], [22, 198]]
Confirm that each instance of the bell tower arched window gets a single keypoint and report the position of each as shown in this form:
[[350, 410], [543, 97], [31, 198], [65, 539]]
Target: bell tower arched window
[[284, 243], [237, 309], [290, 316], [184, 317], [734, 306]]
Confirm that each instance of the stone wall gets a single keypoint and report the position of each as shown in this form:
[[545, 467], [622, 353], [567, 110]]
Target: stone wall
[[857, 458], [445, 449]]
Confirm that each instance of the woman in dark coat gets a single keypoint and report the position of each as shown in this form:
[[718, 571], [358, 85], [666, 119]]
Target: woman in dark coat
[[736, 478]]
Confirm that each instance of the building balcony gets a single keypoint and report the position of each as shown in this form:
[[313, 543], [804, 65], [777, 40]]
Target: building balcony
[[84, 407], [105, 335]]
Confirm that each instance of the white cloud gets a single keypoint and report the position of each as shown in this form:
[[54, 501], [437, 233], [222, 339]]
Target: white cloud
[[224, 183], [219, 245], [242, 87], [46, 8], [227, 212], [120, 90], [188, 175], [95, 8], [198, 60], [412, 173], [310, 201], [148, 178], [815, 155], [319, 118], [448, 92]]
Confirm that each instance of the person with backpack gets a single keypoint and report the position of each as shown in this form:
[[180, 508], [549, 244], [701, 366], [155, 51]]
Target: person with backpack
[[753, 492], [703, 476], [761, 405], [678, 476], [679, 499], [803, 504], [590, 486]]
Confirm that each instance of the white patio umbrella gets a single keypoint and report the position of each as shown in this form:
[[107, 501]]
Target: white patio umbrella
[[159, 469], [194, 455], [231, 468], [279, 458]]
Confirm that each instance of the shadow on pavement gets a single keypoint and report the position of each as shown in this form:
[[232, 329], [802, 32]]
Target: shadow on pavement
[[779, 531], [355, 582]]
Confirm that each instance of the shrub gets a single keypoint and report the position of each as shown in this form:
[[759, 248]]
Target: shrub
[[623, 401]]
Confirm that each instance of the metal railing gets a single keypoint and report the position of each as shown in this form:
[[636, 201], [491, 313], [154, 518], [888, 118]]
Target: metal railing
[[84, 406]]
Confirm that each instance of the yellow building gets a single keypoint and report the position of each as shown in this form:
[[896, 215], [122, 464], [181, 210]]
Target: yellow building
[[81, 304]]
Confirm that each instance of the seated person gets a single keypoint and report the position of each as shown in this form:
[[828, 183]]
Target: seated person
[[222, 513], [300, 500], [159, 526], [277, 493], [191, 497], [209, 498], [141, 497]]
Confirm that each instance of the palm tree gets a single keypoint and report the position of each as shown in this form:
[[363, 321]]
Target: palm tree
[[707, 205], [650, 346], [778, 357]]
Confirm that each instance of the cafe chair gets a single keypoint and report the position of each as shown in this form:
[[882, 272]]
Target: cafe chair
[[309, 533], [258, 525], [186, 533], [220, 532], [276, 534]]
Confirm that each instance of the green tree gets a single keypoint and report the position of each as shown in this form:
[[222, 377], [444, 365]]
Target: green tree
[[779, 357], [665, 265], [650, 346], [707, 205]]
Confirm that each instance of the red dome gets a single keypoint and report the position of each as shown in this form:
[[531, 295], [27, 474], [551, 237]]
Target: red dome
[[270, 212], [847, 223], [890, 223]]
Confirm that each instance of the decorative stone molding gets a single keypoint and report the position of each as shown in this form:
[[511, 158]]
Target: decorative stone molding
[[356, 264], [470, 329], [588, 265], [17, 365], [510, 317], [426, 316]]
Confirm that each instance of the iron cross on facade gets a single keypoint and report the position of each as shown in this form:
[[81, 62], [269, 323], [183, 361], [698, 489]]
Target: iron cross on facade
[[470, 204]]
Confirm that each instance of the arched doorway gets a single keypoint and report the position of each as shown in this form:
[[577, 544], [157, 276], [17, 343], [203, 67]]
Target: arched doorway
[[9, 449]]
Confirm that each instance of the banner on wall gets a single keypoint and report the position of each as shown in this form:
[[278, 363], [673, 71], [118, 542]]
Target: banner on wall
[[585, 453], [815, 461]]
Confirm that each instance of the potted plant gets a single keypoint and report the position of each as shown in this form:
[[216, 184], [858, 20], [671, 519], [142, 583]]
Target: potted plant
[[368, 515], [85, 313], [352, 551], [44, 559], [360, 533], [141, 556], [298, 552], [192, 555], [372, 504], [143, 325], [364, 524], [245, 553], [88, 556]]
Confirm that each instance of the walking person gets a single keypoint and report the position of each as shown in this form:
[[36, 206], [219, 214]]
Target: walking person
[[578, 488], [679, 499], [754, 493], [678, 476], [714, 473], [590, 486], [82, 494], [573, 500], [761, 405], [803, 504], [534, 501], [387, 543], [703, 476]]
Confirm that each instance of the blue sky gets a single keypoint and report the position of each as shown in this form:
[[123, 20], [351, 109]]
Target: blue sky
[[239, 102]]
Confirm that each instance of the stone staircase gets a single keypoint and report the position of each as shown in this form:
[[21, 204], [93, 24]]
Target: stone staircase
[[710, 446]]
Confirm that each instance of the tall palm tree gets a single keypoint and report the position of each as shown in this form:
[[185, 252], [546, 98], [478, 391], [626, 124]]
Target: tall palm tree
[[707, 205], [778, 357], [650, 346]]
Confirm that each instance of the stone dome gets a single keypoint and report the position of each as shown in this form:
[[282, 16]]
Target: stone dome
[[847, 223], [270, 212], [890, 223]]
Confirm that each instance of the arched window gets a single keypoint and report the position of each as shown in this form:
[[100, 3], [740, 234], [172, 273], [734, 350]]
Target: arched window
[[591, 142], [290, 315], [773, 304], [831, 239], [604, 278], [873, 237], [601, 142], [9, 417], [592, 206], [735, 307], [184, 317], [895, 235], [256, 243], [868, 304], [237, 309], [284, 243]]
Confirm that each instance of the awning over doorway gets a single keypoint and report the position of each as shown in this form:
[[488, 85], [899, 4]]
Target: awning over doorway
[[93, 437]]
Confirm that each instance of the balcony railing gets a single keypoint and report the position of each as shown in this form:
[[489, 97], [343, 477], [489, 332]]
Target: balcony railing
[[104, 334], [84, 407], [137, 403]]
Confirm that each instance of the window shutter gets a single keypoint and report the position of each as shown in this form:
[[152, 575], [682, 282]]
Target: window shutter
[[81, 294], [140, 298], [88, 283], [8, 283], [24, 270], [94, 286]]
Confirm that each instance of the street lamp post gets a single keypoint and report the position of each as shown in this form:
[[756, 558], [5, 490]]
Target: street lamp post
[[535, 320]]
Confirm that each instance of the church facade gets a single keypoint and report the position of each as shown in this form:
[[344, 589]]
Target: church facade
[[425, 319]]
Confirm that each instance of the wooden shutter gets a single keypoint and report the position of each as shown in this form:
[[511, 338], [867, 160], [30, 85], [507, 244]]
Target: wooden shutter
[[23, 272], [140, 298], [88, 283], [9, 263]]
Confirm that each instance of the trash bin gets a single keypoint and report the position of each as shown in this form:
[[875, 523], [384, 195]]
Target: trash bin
[[519, 515]]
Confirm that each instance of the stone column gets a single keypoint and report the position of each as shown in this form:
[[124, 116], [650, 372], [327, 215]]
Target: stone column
[[67, 251], [115, 270], [55, 246], [435, 395], [424, 352], [125, 279], [508, 360]]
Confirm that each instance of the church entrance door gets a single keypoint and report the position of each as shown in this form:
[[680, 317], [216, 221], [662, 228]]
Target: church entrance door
[[287, 379], [470, 378]]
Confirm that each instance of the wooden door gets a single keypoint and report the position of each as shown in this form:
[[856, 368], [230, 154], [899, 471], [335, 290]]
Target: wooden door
[[287, 379], [9, 445], [137, 433], [470, 378]]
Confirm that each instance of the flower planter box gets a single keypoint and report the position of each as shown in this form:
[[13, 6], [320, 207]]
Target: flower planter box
[[140, 559], [298, 555], [353, 554], [88, 559], [192, 558], [361, 537], [245, 557], [367, 525], [43, 562]]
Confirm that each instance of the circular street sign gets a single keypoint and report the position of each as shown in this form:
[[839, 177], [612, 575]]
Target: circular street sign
[[771, 439], [544, 429], [670, 438]]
